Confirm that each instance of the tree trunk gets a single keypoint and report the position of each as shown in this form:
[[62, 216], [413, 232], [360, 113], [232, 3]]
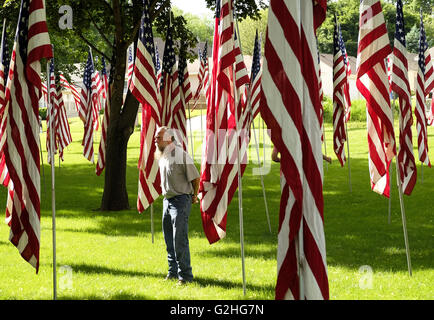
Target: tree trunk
[[115, 196]]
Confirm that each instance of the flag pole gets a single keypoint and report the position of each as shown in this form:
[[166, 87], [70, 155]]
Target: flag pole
[[53, 191], [348, 151], [191, 131], [259, 161], [325, 144], [152, 221], [240, 185], [389, 219], [404, 220]]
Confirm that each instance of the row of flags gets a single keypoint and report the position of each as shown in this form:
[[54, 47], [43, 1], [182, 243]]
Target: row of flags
[[286, 91]]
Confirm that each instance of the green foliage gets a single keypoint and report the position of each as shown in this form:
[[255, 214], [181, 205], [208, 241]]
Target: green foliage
[[248, 27], [43, 113], [347, 12]]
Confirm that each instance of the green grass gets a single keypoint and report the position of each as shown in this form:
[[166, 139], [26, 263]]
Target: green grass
[[111, 254]]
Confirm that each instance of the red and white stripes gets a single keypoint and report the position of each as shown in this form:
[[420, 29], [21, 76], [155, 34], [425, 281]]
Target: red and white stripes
[[22, 132], [290, 106], [373, 84]]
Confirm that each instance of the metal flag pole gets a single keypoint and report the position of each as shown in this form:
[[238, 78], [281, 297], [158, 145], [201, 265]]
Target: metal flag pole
[[152, 221], [53, 191], [259, 159], [389, 219], [348, 151], [325, 145], [421, 172], [404, 221], [262, 177], [191, 132], [240, 185]]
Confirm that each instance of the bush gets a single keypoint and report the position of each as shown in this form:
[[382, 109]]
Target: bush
[[43, 113]]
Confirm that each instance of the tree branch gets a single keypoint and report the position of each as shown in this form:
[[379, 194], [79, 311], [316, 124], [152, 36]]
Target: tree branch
[[161, 8], [99, 30], [93, 46]]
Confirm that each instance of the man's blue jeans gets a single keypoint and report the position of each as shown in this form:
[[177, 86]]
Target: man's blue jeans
[[176, 212]]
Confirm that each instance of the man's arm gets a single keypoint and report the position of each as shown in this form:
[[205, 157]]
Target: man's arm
[[195, 184]]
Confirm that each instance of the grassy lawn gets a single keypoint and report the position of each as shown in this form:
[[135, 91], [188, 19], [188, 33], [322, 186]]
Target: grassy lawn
[[110, 255]]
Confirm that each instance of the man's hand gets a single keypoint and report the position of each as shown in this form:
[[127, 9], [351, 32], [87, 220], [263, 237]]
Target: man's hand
[[194, 199]]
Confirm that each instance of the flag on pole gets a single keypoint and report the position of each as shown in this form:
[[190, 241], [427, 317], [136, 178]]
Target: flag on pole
[[4, 67], [373, 84], [169, 86], [321, 96], [179, 118], [339, 83], [184, 79], [63, 132], [87, 100], [290, 106], [200, 74], [346, 87], [51, 114], [100, 165], [419, 111], [219, 173], [75, 93], [158, 68], [21, 148], [130, 64], [401, 86], [145, 88], [255, 78], [4, 73]]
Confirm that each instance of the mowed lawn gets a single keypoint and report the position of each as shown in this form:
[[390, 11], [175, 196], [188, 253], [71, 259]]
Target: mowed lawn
[[110, 255]]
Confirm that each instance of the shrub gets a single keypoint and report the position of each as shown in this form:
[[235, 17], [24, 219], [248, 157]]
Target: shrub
[[43, 113]]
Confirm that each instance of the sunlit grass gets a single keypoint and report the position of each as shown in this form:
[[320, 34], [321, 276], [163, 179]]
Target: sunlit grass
[[110, 255]]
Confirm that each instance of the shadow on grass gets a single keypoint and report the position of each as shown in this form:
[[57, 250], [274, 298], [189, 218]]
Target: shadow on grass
[[356, 228], [200, 281]]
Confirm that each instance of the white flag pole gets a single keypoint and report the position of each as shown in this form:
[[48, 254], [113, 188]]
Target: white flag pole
[[240, 185], [389, 219], [404, 221], [348, 151], [152, 221], [53, 191], [325, 144], [191, 132]]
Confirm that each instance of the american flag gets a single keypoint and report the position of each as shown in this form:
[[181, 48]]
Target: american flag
[[179, 118], [346, 86], [4, 67], [290, 106], [401, 86], [87, 99], [419, 111], [169, 86], [255, 78], [63, 131], [184, 79], [75, 93], [144, 82], [219, 179], [203, 75], [339, 83], [130, 64], [32, 43], [51, 114], [321, 95], [144, 87], [4, 73], [200, 73], [100, 165], [373, 84], [157, 67]]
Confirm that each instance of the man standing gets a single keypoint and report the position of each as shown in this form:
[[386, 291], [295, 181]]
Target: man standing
[[179, 185]]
